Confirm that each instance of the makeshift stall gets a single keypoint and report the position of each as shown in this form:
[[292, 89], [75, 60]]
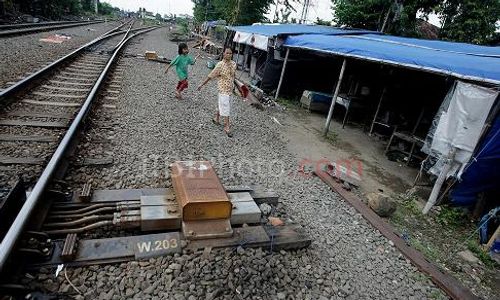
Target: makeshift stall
[[259, 48], [470, 103]]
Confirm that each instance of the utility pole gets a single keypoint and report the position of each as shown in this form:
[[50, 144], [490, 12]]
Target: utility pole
[[305, 11]]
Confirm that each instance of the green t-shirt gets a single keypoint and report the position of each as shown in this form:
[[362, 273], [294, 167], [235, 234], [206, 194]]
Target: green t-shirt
[[181, 63]]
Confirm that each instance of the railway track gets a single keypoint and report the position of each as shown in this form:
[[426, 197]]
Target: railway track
[[41, 118], [26, 28]]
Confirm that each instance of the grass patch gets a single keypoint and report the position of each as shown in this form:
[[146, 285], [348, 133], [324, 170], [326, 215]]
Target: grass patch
[[332, 137], [288, 103], [484, 257], [427, 250], [451, 216]]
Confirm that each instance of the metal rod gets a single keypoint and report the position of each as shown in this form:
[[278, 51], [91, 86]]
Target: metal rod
[[79, 215], [334, 98], [282, 74], [81, 229], [377, 111], [80, 221], [80, 210], [22, 218]]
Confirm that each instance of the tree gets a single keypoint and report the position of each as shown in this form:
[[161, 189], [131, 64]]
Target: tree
[[393, 16], [240, 12], [283, 10], [469, 21], [105, 8], [204, 10], [322, 22]]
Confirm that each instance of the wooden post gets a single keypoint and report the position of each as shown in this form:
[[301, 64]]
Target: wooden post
[[282, 74], [334, 99], [377, 111]]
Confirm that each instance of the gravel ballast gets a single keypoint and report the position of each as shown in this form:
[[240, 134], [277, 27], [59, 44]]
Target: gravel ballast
[[149, 129], [26, 53]]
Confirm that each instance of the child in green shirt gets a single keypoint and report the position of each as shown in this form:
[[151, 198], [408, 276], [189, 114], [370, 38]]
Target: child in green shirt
[[181, 63]]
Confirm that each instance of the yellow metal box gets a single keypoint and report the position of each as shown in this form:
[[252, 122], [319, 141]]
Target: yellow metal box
[[199, 192]]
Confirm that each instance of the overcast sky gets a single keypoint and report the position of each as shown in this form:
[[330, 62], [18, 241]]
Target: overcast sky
[[319, 8]]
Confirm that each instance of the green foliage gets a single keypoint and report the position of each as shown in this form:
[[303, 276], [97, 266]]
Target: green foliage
[[322, 22], [233, 11], [474, 247], [283, 10], [450, 216], [104, 8], [366, 14], [469, 21], [399, 18], [472, 21], [204, 10], [54, 9], [183, 26]]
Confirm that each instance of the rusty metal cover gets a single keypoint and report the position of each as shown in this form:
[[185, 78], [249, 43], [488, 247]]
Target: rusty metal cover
[[207, 229], [199, 192]]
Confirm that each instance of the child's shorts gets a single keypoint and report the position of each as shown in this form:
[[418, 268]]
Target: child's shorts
[[182, 85], [224, 105]]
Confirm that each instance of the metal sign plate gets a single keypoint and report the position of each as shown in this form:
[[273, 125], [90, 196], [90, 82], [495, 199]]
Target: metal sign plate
[[153, 245]]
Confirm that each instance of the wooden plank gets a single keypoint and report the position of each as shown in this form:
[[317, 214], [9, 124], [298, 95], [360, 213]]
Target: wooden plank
[[60, 88], [33, 123], [47, 95], [89, 66], [109, 106], [112, 91], [70, 83], [287, 237], [78, 75], [109, 98], [73, 78], [27, 138], [449, 284], [83, 70], [6, 160], [95, 161], [51, 103], [37, 115]]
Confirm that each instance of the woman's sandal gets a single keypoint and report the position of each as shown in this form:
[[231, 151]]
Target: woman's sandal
[[215, 122], [228, 133]]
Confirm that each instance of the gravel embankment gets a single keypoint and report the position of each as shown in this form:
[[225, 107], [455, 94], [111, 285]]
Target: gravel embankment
[[348, 259], [25, 53]]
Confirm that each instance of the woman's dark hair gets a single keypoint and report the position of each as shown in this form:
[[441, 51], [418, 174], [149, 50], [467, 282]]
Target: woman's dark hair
[[182, 46]]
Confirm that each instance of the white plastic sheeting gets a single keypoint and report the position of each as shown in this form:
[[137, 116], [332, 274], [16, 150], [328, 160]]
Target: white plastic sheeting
[[256, 40], [458, 125]]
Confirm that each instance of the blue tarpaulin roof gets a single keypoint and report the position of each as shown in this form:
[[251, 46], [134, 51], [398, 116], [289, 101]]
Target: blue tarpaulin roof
[[440, 45], [271, 30], [464, 61]]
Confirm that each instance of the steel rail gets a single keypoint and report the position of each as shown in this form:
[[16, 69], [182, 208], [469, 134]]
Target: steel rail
[[14, 32], [18, 86], [41, 24], [22, 218], [451, 286]]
